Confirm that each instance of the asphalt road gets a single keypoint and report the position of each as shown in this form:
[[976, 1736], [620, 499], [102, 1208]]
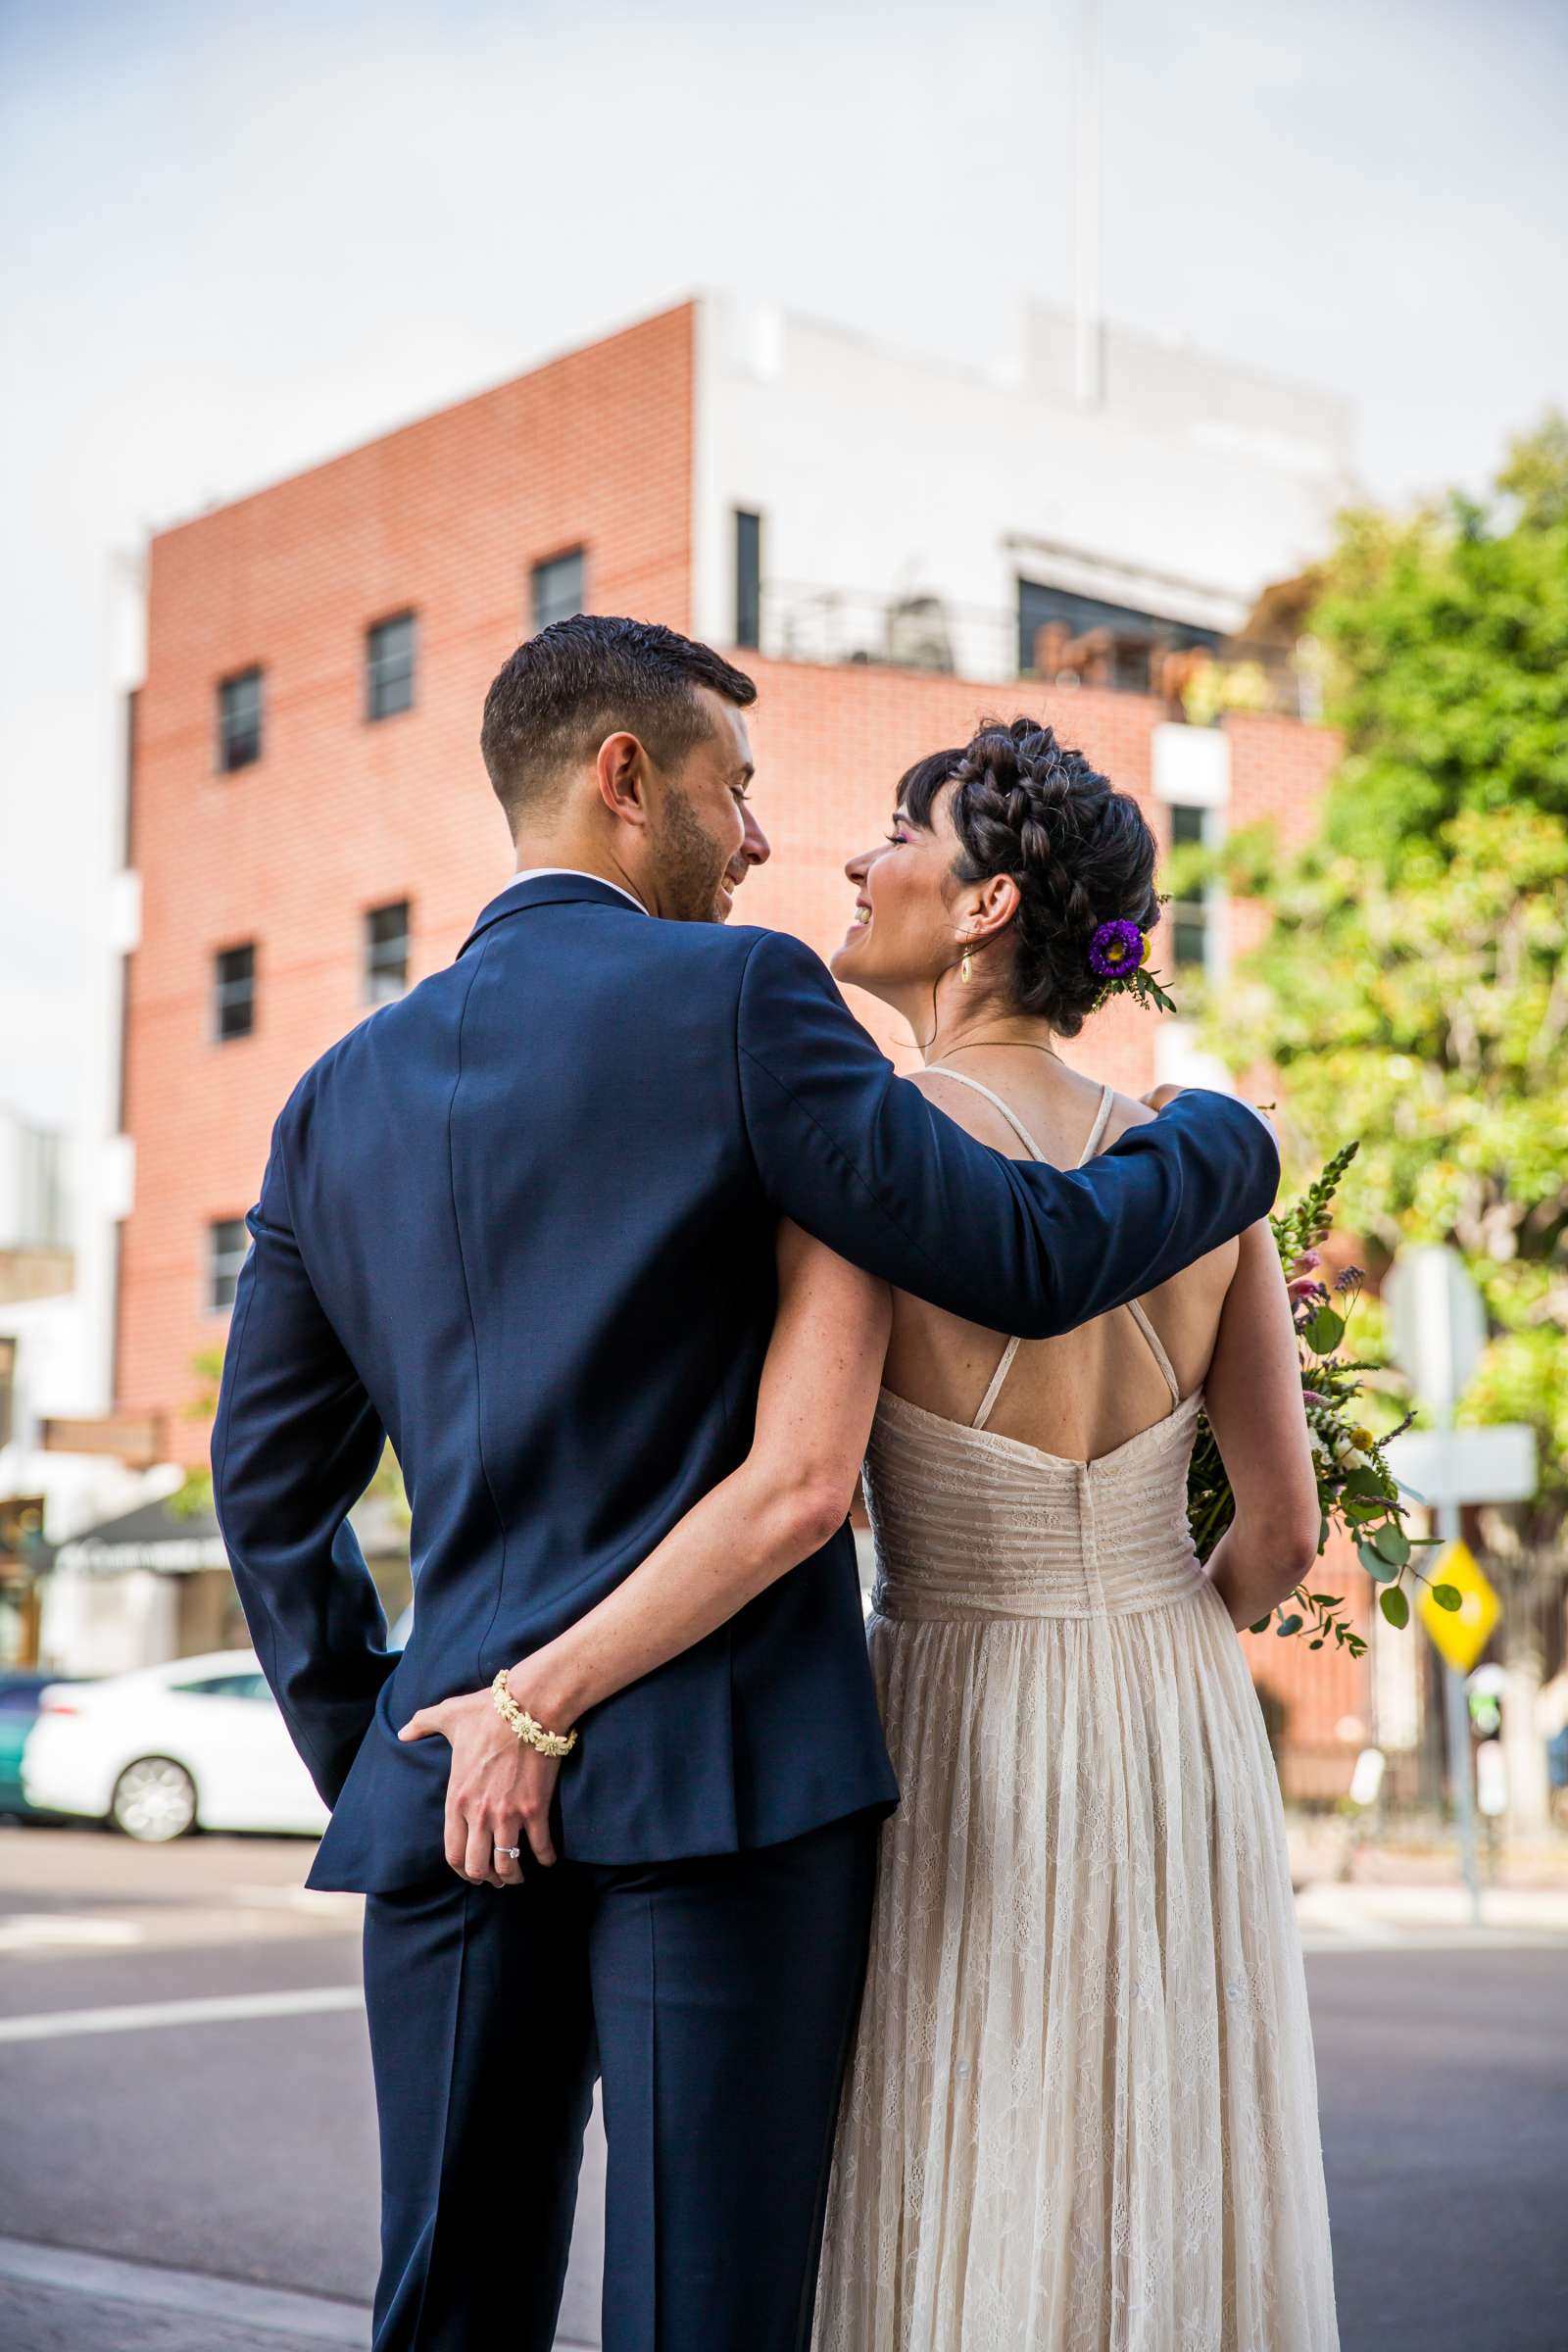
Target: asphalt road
[[181, 2180]]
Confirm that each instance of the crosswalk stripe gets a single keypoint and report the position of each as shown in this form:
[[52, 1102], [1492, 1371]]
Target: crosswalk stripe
[[136, 2016]]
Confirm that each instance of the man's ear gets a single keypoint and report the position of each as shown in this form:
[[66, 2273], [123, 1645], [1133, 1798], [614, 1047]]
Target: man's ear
[[621, 769]]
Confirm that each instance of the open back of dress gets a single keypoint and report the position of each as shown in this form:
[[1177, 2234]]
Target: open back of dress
[[1082, 2112]]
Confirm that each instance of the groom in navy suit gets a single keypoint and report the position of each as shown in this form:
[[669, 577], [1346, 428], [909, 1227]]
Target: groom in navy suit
[[522, 1224]]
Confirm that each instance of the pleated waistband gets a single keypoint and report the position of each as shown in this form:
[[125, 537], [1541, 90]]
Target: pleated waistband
[[925, 1593]]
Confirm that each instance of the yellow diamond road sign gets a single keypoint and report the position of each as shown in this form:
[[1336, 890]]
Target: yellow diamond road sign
[[1460, 1633]]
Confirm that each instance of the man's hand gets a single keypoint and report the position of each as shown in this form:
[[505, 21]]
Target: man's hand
[[1159, 1097], [499, 1789]]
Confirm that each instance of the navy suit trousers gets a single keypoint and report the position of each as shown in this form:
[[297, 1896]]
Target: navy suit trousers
[[715, 1997]]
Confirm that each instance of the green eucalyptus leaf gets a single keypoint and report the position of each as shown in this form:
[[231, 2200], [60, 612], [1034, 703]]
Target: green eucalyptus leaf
[[1380, 1570], [1324, 1332], [1447, 1596], [1393, 1544], [1288, 1625], [1394, 1607]]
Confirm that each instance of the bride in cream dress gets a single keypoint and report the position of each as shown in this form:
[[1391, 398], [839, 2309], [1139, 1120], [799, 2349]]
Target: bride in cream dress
[[1081, 2112]]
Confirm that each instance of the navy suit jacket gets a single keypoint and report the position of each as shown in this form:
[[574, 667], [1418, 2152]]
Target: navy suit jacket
[[523, 1223]]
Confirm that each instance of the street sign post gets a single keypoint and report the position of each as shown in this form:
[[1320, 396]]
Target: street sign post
[[1437, 1323], [1438, 1328]]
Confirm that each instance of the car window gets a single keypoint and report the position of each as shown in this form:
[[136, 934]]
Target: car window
[[254, 1686], [20, 1698], [216, 1685]]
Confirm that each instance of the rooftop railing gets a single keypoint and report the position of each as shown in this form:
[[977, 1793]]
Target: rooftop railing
[[1199, 673]]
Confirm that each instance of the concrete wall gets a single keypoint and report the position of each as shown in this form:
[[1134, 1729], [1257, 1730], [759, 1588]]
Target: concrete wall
[[879, 472]]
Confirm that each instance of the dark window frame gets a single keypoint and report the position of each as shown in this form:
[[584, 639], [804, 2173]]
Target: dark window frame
[[241, 740], [233, 988], [748, 577], [381, 965], [223, 1263], [389, 674], [545, 609], [1190, 918], [1137, 633]]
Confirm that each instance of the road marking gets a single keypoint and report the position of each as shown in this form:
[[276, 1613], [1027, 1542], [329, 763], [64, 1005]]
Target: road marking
[[136, 2016], [32, 1930], [315, 1902], [230, 2302]]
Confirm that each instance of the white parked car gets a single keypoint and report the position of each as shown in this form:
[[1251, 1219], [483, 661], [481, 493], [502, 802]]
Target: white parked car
[[198, 1743]]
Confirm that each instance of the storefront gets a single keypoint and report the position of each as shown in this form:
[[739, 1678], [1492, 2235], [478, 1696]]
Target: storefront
[[155, 1584]]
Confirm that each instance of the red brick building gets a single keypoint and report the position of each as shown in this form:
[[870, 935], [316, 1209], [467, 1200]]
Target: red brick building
[[313, 829]]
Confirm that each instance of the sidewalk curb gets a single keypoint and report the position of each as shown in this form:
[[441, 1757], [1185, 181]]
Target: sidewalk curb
[[199, 2294]]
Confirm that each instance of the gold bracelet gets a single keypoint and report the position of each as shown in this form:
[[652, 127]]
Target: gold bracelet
[[549, 1743]]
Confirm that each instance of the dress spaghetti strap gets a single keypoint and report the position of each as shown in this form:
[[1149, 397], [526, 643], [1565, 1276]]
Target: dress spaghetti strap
[[960, 1078], [1088, 1151], [1156, 1348]]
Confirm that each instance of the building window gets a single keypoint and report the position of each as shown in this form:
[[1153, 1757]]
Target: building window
[[747, 578], [389, 667], [386, 953], [239, 721], [226, 1244], [234, 992], [1099, 643], [1188, 919], [558, 588]]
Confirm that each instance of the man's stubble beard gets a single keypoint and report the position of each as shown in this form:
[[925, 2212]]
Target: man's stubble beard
[[691, 865]]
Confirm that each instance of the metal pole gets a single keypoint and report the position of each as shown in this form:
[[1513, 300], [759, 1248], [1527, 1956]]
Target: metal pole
[[1457, 1716], [1088, 383]]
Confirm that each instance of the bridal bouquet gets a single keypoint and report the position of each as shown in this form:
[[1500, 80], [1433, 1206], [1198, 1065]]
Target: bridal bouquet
[[1356, 1490]]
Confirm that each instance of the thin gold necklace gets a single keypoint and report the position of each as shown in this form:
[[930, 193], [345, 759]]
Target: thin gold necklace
[[1025, 1044]]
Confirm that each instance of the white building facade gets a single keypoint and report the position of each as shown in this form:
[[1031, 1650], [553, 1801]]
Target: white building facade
[[974, 497]]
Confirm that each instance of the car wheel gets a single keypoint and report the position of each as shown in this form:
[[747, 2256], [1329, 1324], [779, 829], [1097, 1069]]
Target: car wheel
[[154, 1800]]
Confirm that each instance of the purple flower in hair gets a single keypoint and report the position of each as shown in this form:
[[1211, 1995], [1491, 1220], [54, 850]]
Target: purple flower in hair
[[1118, 950]]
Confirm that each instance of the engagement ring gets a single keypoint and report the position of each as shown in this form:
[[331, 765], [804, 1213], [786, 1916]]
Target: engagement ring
[[509, 1854]]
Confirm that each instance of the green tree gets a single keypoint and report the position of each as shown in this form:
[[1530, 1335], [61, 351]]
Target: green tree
[[1425, 1014], [1412, 989], [1444, 638]]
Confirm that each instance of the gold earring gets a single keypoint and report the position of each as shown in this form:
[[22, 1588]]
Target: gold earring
[[965, 969]]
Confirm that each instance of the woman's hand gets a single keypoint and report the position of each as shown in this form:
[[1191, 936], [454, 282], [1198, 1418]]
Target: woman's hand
[[499, 1789]]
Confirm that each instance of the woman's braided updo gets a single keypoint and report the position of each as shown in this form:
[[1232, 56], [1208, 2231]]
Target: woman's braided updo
[[1081, 854]]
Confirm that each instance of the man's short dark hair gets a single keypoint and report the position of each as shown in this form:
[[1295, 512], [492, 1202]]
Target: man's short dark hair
[[564, 691]]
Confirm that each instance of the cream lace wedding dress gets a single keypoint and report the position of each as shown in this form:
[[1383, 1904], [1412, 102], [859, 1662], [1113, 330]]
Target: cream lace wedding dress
[[1082, 2114]]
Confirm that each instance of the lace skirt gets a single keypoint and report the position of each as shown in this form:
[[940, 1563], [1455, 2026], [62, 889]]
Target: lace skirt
[[1082, 2111]]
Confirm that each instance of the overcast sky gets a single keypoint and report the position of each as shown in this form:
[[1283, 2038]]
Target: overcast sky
[[235, 239]]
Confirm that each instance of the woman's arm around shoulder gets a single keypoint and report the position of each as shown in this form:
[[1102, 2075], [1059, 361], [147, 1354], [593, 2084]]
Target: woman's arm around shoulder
[[1253, 1396]]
